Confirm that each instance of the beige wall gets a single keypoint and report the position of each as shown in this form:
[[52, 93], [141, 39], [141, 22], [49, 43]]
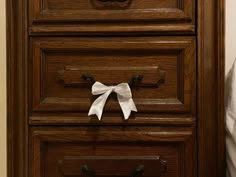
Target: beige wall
[[230, 34], [230, 55], [2, 90]]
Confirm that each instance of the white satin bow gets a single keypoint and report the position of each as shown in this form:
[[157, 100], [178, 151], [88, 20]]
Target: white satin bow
[[124, 97]]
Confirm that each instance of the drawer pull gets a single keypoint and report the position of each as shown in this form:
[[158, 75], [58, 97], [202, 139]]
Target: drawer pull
[[89, 78], [117, 166], [85, 170], [111, 4], [135, 79], [77, 76], [139, 171]]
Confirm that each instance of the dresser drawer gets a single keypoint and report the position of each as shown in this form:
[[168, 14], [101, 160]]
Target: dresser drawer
[[121, 152], [111, 16], [167, 66]]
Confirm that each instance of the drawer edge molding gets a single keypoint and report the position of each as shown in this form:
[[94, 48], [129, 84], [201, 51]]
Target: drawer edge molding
[[70, 30], [143, 120], [175, 145]]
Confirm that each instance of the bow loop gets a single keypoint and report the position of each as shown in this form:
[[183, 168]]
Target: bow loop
[[123, 90], [98, 88], [124, 97]]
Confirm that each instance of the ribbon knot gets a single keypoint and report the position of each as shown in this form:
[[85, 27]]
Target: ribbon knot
[[124, 97]]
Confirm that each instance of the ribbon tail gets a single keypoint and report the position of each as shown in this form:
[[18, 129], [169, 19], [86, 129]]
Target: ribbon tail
[[127, 105], [98, 105]]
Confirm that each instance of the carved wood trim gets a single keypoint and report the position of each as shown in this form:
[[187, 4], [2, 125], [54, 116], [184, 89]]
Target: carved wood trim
[[111, 4], [181, 139], [17, 121], [134, 30], [211, 156], [120, 164], [183, 48], [179, 19], [72, 75], [220, 26], [43, 14], [211, 126], [140, 120]]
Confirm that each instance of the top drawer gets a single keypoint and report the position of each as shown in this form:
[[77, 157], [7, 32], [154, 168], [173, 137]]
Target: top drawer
[[110, 16]]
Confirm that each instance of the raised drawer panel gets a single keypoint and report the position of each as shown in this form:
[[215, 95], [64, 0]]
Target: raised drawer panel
[[105, 151], [112, 166], [166, 64], [111, 16]]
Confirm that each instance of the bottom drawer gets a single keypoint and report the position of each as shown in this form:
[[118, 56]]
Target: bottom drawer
[[112, 151], [112, 166]]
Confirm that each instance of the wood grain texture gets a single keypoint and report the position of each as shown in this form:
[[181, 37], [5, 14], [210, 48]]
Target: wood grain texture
[[96, 16], [175, 56], [144, 119], [114, 30], [17, 126], [164, 135], [74, 76], [51, 147], [211, 139], [221, 158], [110, 165]]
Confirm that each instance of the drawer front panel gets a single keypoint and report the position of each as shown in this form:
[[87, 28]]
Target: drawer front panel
[[108, 151], [112, 165], [167, 66], [111, 15]]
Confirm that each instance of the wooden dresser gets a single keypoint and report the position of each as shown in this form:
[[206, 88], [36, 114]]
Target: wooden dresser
[[171, 52]]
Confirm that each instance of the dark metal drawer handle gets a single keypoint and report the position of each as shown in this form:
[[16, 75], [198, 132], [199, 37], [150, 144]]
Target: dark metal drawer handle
[[138, 171], [135, 79], [112, 0], [75, 76], [85, 170], [89, 78]]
